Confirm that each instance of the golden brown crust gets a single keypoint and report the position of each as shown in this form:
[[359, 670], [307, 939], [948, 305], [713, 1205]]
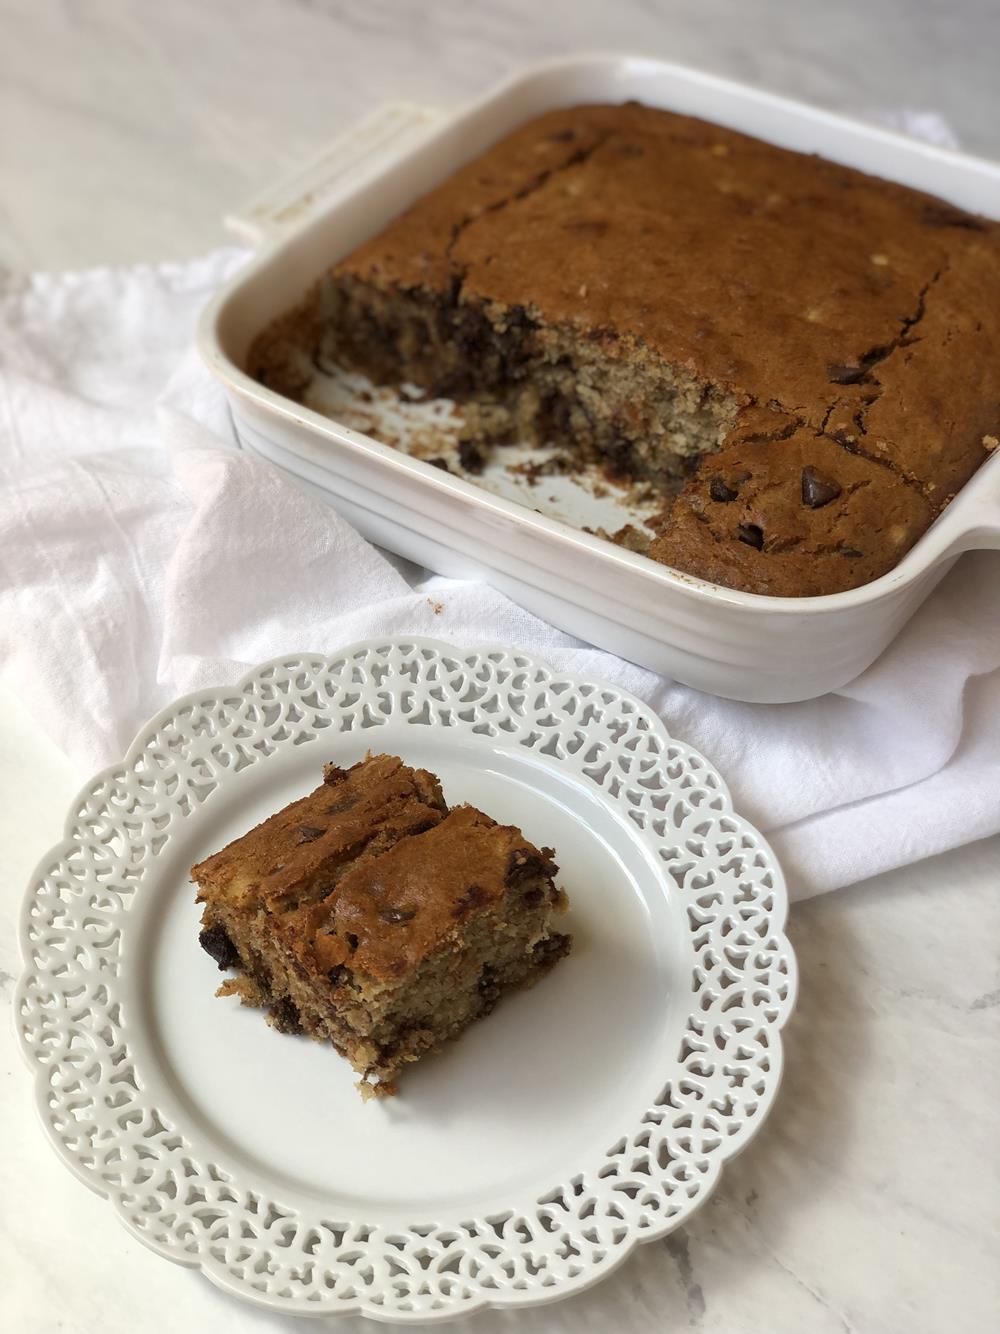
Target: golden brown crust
[[300, 853], [390, 913], [797, 516], [825, 303]]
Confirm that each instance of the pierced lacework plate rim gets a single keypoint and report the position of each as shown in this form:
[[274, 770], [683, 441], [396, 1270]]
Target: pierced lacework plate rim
[[710, 917]]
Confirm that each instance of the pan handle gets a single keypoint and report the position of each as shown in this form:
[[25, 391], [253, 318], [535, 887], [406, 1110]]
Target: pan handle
[[363, 149], [983, 532], [972, 521]]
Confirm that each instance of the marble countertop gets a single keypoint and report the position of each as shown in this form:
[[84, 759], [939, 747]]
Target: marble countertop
[[868, 1203], [130, 129]]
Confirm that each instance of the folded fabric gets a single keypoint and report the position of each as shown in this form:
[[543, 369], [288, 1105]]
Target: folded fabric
[[142, 554]]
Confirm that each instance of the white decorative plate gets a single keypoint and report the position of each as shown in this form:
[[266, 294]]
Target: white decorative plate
[[527, 1159]]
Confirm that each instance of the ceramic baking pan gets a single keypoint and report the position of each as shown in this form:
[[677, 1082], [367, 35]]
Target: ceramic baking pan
[[740, 645]]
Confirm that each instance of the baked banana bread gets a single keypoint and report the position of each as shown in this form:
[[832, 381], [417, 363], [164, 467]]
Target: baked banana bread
[[800, 356], [369, 915]]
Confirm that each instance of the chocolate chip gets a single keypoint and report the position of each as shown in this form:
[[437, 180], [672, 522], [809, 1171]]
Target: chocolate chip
[[471, 457], [214, 940], [471, 331], [397, 915], [285, 1016], [439, 463], [337, 974], [523, 864], [351, 939], [838, 374], [816, 490], [559, 411], [751, 534], [473, 897], [332, 773], [718, 490], [617, 457], [308, 833]]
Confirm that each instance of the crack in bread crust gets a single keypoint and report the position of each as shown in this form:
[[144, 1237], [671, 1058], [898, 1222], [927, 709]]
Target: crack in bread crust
[[575, 159]]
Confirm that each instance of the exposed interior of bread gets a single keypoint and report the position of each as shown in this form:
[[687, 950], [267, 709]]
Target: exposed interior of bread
[[380, 1027], [604, 397]]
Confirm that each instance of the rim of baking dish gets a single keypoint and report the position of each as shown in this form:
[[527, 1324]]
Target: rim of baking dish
[[953, 531]]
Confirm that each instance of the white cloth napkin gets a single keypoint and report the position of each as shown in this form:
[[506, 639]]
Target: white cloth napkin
[[143, 555]]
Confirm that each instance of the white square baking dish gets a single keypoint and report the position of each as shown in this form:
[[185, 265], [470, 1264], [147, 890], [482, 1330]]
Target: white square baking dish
[[740, 645]]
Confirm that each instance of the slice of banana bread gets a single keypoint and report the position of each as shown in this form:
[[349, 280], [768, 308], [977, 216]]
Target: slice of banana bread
[[369, 915], [646, 290]]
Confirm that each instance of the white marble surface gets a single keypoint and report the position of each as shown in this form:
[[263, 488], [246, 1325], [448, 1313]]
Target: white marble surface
[[127, 129], [869, 1202]]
